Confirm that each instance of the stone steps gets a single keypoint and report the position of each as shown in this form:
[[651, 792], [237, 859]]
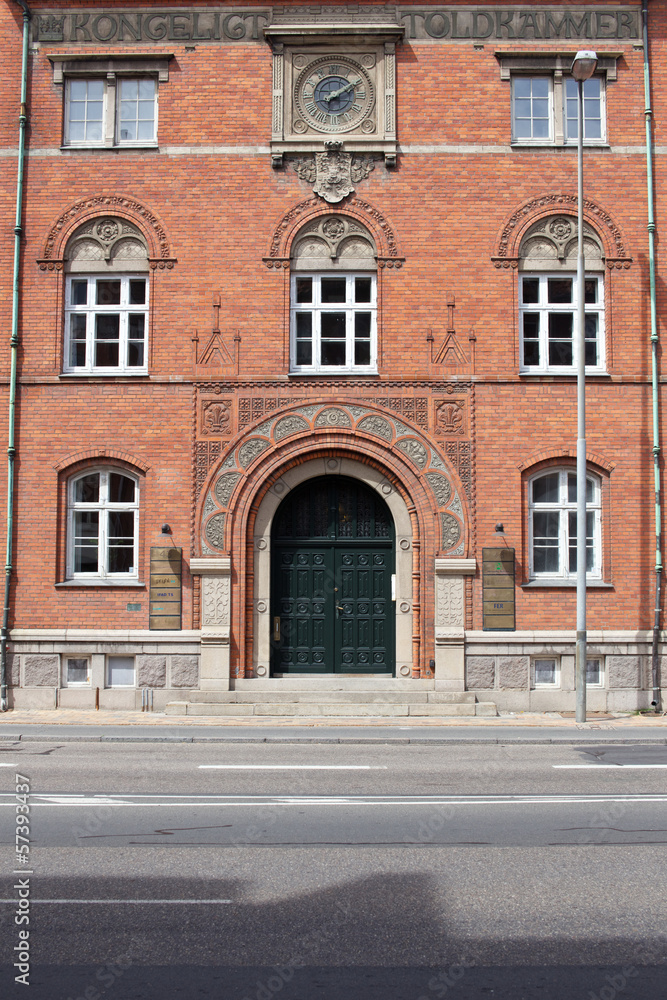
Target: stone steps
[[259, 697], [314, 708]]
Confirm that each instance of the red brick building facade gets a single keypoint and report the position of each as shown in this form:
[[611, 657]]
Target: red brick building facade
[[264, 247]]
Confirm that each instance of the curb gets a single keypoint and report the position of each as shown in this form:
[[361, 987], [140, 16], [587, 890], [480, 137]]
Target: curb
[[354, 740]]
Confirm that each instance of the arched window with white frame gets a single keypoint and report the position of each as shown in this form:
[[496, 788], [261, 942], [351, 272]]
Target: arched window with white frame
[[548, 297], [106, 299], [333, 298], [552, 498], [103, 525]]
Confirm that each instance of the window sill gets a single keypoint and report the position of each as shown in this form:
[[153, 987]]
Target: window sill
[[554, 373], [519, 144], [571, 584], [100, 583], [336, 373], [105, 374], [109, 149]]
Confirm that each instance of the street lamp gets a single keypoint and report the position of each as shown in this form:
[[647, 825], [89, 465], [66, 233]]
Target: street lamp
[[583, 67]]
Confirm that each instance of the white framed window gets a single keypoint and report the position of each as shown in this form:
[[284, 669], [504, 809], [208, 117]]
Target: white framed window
[[106, 324], [77, 671], [546, 672], [110, 111], [532, 109], [103, 526], [333, 322], [548, 321], [595, 672], [120, 671], [594, 110], [553, 525]]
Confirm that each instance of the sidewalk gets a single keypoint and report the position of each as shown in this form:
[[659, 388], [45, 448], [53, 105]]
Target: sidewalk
[[66, 725]]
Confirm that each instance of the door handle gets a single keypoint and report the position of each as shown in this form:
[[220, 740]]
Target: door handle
[[276, 629]]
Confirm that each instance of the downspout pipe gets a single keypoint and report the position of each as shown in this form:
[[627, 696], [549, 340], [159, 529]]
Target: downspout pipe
[[14, 346], [648, 114]]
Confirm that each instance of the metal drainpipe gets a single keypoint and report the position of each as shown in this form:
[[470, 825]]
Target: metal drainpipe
[[648, 114], [14, 346]]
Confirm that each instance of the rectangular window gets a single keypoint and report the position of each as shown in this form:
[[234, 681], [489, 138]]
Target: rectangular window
[[544, 109], [77, 671], [120, 671], [546, 672], [532, 116], [594, 673], [548, 318], [106, 321], [103, 526], [334, 323], [110, 111]]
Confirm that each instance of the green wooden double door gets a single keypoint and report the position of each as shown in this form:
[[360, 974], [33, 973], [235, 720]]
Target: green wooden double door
[[332, 567]]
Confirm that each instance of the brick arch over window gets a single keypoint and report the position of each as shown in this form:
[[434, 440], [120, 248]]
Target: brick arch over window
[[370, 218], [507, 250], [101, 207], [267, 460]]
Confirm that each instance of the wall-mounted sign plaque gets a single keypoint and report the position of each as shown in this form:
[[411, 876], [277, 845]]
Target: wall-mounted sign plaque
[[498, 611], [165, 595]]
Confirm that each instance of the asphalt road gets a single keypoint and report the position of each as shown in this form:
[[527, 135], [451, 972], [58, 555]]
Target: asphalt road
[[249, 872]]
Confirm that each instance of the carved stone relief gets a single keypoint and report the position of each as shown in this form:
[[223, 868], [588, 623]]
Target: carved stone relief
[[215, 530], [415, 451], [289, 425], [209, 506], [456, 506], [376, 425], [450, 417], [225, 487], [249, 451], [216, 600], [441, 487], [333, 418], [334, 172], [451, 531], [217, 416], [449, 601]]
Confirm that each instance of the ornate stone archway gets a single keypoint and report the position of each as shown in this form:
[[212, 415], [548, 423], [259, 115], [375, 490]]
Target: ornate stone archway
[[271, 457]]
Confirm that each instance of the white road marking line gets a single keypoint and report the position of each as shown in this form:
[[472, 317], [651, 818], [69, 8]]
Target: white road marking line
[[8, 765], [122, 902], [292, 767], [597, 767], [251, 801]]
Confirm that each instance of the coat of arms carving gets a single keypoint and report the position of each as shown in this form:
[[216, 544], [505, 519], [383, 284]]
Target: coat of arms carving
[[334, 171]]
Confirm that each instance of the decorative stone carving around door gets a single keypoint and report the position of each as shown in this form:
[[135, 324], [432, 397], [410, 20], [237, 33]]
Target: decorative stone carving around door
[[215, 620], [450, 622]]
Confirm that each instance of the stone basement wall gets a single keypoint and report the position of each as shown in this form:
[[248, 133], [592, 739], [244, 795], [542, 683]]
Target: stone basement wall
[[501, 671], [36, 674]]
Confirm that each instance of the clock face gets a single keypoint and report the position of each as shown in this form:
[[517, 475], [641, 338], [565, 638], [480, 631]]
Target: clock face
[[333, 94]]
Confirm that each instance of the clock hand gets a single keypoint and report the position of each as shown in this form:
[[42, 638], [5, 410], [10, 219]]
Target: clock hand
[[337, 93]]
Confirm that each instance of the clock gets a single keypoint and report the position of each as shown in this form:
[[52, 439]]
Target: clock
[[334, 94]]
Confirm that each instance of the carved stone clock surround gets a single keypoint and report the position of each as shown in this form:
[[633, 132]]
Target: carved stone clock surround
[[294, 47]]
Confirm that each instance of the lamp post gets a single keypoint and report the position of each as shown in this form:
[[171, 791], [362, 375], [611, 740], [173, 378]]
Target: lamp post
[[583, 68]]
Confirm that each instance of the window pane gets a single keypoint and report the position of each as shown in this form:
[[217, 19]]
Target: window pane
[[86, 536], [136, 110], [545, 671], [572, 531], [77, 671], [591, 290], [333, 352], [540, 86], [522, 86], [135, 345], [572, 489], [545, 489], [304, 352], [108, 292], [107, 332], [333, 325], [77, 335], [304, 289], [362, 352], [137, 291], [560, 339], [121, 488], [362, 289], [546, 526], [121, 541], [87, 489], [121, 671], [531, 343], [591, 339], [559, 289], [530, 288], [333, 289], [362, 325], [79, 291]]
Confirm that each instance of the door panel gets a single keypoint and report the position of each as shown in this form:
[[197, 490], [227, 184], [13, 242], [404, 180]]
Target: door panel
[[332, 560]]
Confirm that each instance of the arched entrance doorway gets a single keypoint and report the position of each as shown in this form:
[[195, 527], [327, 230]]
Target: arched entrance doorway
[[333, 558]]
